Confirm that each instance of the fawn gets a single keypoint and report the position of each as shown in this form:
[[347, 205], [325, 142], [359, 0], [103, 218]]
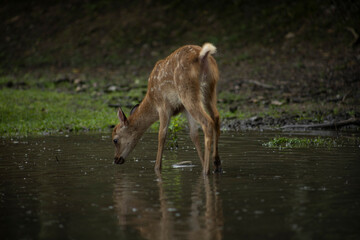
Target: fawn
[[185, 81]]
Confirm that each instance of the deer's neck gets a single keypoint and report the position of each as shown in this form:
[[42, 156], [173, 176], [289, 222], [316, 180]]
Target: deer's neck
[[144, 116]]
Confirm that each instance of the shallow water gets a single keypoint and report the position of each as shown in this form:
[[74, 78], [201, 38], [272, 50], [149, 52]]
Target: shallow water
[[66, 187]]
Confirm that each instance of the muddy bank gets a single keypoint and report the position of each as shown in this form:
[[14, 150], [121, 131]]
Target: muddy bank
[[290, 123]]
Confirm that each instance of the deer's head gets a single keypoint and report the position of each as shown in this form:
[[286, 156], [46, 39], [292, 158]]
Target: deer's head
[[124, 137]]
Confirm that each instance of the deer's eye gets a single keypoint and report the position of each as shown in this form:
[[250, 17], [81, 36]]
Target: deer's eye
[[115, 141]]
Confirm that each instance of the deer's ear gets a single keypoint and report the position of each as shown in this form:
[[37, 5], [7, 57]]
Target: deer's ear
[[122, 117], [134, 109]]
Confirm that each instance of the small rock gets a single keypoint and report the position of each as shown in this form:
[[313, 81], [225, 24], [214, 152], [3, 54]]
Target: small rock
[[78, 89], [290, 35], [276, 103], [255, 118], [78, 81], [81, 88], [112, 89]]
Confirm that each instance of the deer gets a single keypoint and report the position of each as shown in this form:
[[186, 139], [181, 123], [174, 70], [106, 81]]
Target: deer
[[184, 82]]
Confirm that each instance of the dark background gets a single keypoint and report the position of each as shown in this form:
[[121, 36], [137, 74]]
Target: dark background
[[108, 33]]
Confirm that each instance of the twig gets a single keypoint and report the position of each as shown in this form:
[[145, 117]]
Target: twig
[[333, 125], [345, 96], [355, 34], [259, 84]]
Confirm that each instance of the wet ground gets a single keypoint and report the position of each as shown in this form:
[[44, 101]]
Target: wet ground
[[66, 187]]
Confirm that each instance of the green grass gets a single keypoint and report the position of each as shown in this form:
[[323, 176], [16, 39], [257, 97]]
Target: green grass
[[34, 111], [176, 125]]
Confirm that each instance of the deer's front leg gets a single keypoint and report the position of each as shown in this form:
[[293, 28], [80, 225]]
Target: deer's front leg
[[164, 123]]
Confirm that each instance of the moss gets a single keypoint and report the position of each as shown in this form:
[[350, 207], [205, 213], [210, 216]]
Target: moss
[[285, 142]]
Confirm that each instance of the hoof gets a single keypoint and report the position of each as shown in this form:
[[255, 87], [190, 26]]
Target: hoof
[[217, 162], [217, 165], [119, 160], [218, 170]]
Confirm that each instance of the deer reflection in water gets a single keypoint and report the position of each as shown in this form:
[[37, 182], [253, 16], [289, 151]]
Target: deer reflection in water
[[155, 217]]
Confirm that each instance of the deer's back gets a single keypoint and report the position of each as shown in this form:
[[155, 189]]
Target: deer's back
[[180, 73]]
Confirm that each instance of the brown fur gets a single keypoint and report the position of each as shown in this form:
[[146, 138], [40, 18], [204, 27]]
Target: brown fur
[[182, 82]]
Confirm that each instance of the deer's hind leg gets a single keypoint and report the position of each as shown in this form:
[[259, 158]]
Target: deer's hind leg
[[195, 108], [214, 114]]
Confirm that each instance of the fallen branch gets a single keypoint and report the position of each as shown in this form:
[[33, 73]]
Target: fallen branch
[[355, 34], [259, 84], [333, 125], [253, 82]]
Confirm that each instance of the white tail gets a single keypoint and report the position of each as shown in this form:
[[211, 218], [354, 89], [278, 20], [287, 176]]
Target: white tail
[[207, 48], [174, 86]]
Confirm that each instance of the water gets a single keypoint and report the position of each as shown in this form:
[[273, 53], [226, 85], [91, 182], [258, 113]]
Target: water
[[66, 187]]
